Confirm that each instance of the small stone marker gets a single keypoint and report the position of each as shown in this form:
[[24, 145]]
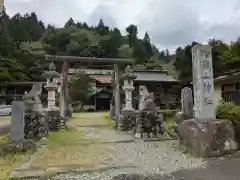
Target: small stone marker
[[17, 121], [203, 83], [187, 102]]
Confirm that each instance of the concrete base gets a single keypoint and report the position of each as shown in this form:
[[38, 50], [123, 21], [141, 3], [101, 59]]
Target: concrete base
[[126, 110], [207, 139], [17, 146]]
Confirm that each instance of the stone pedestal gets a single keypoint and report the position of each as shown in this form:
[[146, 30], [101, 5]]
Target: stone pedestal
[[17, 146], [207, 138], [55, 120], [129, 121]]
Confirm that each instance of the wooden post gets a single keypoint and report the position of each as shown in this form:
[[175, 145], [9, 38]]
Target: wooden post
[[137, 96], [64, 89], [95, 100], [117, 92]]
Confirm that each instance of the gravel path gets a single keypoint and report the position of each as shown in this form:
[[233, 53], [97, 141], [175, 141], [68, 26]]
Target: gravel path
[[138, 157], [159, 161], [136, 160]]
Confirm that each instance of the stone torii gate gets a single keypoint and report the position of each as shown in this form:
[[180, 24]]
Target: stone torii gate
[[89, 61]]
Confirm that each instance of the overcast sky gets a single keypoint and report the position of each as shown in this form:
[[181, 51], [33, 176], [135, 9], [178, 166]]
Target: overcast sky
[[170, 23]]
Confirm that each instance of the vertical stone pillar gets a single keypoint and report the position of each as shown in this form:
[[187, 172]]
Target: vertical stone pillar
[[17, 121], [117, 92], [203, 83], [64, 89], [187, 102]]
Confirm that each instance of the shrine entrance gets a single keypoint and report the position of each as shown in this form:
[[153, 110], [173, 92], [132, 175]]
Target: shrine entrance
[[89, 62]]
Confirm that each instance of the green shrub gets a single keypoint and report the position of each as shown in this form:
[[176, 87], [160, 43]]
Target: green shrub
[[168, 113], [228, 110], [57, 100], [231, 112]]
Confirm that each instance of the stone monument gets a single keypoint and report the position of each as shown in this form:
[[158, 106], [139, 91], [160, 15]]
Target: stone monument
[[187, 107], [17, 141], [17, 121], [203, 83], [187, 102], [204, 135]]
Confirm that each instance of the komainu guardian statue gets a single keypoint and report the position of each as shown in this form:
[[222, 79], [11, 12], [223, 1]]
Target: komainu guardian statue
[[148, 120], [36, 124], [34, 93]]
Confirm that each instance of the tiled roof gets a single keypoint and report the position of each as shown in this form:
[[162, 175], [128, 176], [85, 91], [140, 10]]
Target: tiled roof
[[227, 76], [21, 83], [105, 79], [153, 76]]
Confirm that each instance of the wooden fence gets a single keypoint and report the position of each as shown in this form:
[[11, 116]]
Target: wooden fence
[[231, 96]]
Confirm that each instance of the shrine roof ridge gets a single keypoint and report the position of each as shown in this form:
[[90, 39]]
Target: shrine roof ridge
[[89, 59]]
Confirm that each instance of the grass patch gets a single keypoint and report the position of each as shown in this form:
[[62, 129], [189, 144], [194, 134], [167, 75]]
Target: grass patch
[[168, 124], [64, 149], [5, 118], [91, 119], [9, 161], [4, 138]]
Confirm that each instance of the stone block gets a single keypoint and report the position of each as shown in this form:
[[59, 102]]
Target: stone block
[[207, 139], [178, 119], [17, 146], [55, 120], [187, 102]]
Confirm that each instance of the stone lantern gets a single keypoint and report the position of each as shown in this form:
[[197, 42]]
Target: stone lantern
[[128, 88], [128, 110], [51, 86]]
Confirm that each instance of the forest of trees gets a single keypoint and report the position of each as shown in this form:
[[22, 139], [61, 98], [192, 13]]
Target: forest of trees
[[24, 40]]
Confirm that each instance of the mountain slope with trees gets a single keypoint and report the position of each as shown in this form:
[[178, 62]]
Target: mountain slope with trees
[[25, 40]]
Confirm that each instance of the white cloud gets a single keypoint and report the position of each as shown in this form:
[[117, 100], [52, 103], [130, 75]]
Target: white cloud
[[169, 22]]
